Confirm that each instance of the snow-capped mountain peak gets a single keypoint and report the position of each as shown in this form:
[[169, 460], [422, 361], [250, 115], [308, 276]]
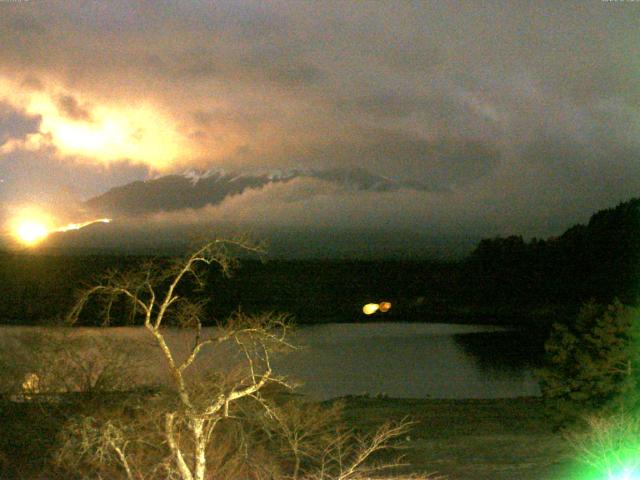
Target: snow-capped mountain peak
[[197, 188], [195, 175]]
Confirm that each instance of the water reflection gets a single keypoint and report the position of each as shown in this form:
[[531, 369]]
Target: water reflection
[[507, 351], [404, 360]]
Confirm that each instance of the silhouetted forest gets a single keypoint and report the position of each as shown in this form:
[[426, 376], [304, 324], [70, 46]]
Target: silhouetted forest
[[504, 280], [600, 261]]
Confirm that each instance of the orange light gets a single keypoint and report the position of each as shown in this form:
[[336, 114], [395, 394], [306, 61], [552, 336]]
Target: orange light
[[31, 226], [385, 306], [370, 308], [31, 232]]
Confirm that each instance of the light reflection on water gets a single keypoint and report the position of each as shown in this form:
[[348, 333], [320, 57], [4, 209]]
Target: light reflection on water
[[408, 360]]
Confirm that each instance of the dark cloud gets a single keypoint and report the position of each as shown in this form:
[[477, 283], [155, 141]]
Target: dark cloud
[[442, 164], [506, 112], [25, 24], [41, 178], [259, 65], [388, 104], [438, 165], [15, 124], [278, 67], [574, 173], [71, 108]]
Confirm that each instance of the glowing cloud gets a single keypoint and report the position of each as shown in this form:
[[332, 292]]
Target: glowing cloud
[[107, 133]]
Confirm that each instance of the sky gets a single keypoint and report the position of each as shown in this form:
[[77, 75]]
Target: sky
[[519, 117]]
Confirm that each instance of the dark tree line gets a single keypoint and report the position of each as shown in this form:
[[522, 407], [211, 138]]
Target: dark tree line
[[504, 280], [598, 261]]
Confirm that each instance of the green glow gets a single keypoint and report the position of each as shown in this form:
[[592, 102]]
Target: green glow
[[609, 447], [622, 463], [630, 473], [592, 473]]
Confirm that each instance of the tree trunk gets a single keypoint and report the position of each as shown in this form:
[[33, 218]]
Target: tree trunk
[[183, 469], [200, 443]]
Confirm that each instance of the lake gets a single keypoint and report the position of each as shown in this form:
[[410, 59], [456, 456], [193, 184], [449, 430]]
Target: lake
[[404, 360], [411, 360]]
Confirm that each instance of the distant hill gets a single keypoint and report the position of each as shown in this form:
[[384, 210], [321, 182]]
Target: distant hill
[[599, 260], [195, 189]]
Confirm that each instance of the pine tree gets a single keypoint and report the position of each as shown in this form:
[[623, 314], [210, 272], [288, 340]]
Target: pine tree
[[592, 364]]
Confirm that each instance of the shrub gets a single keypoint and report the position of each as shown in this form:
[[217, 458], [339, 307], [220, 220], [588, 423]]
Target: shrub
[[592, 364]]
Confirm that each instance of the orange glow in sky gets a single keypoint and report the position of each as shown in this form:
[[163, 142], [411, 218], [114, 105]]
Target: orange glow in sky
[[139, 133]]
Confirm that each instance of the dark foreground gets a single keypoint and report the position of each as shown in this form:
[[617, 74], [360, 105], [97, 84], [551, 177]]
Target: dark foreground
[[498, 439], [504, 439]]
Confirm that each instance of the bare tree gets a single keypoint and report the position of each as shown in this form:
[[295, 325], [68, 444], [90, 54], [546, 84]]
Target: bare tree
[[154, 293], [346, 456], [100, 442], [303, 430], [323, 449], [44, 363], [193, 417]]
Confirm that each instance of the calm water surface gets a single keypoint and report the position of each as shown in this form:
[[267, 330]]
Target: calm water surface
[[406, 360], [410, 361]]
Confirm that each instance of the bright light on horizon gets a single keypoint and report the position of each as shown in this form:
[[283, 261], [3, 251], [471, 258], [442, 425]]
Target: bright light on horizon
[[32, 230]]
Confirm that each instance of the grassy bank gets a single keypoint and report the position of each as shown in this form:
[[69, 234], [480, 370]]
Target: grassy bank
[[503, 439], [498, 439]]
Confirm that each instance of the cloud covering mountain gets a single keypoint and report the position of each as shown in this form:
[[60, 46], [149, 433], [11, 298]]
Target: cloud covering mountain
[[492, 117], [195, 190]]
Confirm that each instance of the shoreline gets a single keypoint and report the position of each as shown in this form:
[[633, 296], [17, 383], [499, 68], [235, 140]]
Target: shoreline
[[472, 439]]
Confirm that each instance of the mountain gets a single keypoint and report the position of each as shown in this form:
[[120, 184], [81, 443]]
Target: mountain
[[194, 189]]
